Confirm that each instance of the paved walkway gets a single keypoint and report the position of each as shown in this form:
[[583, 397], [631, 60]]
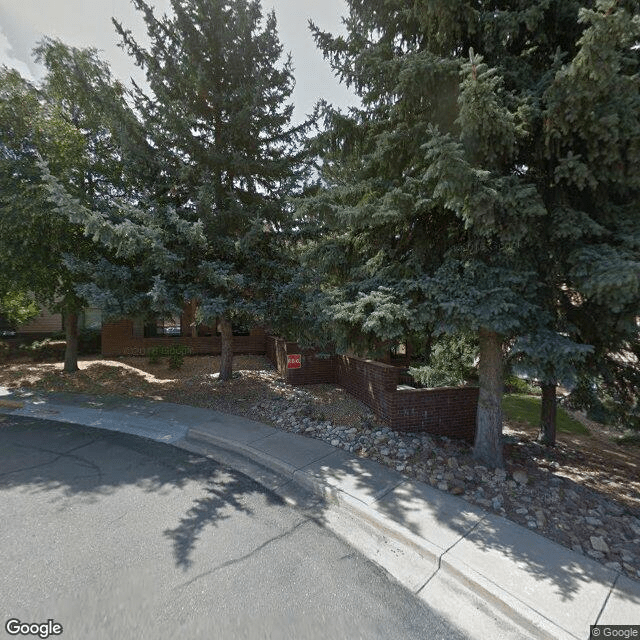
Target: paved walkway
[[549, 590]]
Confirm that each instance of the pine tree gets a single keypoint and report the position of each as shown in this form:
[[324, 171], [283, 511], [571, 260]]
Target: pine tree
[[587, 124], [452, 193], [219, 154]]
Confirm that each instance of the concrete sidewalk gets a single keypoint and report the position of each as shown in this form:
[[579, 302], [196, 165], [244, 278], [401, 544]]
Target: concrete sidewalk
[[548, 590]]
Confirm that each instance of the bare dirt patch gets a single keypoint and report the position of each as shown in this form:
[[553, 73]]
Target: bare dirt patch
[[196, 383]]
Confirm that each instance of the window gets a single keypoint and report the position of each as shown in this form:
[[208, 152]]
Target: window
[[160, 328]]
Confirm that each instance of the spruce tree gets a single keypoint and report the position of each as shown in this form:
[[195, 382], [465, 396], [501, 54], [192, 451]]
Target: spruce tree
[[492, 166], [220, 154]]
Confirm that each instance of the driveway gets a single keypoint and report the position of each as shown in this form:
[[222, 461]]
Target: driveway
[[113, 536]]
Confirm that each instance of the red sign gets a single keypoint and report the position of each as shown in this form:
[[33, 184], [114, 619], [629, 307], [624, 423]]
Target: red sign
[[294, 361]]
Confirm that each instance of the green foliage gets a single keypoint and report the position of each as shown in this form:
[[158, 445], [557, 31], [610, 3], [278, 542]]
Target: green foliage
[[605, 400], [176, 360], [59, 133], [174, 353], [209, 160], [44, 350], [525, 408], [490, 180], [154, 355], [515, 385], [548, 356], [453, 362], [18, 308], [221, 157]]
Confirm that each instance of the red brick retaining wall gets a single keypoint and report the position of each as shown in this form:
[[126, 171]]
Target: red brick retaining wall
[[118, 340], [315, 369], [449, 411], [446, 411]]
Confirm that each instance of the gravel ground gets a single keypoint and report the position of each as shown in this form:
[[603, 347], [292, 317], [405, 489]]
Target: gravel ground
[[584, 493]]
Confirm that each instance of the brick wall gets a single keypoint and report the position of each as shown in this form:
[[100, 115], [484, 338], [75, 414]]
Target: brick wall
[[449, 411], [369, 381], [315, 369], [116, 337], [118, 340]]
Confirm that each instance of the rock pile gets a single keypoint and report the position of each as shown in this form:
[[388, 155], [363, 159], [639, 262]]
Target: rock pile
[[531, 492]]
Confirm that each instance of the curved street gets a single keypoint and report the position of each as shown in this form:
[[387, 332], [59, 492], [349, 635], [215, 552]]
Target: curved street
[[114, 536]]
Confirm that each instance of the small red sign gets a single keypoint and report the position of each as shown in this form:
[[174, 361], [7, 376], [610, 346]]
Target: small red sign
[[294, 361]]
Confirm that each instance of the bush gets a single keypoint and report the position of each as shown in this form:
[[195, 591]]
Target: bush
[[5, 349], [47, 349], [452, 362], [175, 355], [513, 384], [176, 360]]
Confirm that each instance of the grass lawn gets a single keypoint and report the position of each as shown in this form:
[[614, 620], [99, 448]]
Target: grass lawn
[[523, 408]]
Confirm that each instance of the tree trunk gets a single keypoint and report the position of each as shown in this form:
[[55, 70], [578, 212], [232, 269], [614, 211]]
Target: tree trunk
[[428, 348], [488, 444], [71, 350], [226, 355], [548, 416], [193, 307]]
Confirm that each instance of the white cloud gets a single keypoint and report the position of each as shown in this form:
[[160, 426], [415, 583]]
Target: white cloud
[[7, 58]]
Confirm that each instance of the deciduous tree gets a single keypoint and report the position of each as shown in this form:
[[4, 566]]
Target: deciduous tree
[[57, 130]]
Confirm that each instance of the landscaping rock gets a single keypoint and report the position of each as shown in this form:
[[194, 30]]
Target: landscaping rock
[[599, 544], [520, 476], [542, 488]]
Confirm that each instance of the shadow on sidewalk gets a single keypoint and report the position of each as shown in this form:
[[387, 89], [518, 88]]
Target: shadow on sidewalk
[[502, 548], [39, 456]]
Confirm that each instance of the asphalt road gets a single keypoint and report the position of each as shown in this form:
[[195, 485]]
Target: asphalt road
[[117, 537]]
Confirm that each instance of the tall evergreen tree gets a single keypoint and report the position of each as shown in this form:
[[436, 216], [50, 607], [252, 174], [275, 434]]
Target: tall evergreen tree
[[452, 192], [220, 158]]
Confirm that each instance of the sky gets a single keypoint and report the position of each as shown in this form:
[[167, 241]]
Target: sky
[[87, 23]]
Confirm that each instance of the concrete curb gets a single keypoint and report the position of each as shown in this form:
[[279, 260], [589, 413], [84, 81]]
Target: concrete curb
[[515, 610]]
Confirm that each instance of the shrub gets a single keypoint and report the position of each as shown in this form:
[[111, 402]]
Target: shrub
[[513, 384], [452, 362], [174, 353], [47, 349], [176, 360]]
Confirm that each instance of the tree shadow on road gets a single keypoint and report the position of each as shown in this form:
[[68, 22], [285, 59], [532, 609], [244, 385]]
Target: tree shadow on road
[[40, 456], [70, 461]]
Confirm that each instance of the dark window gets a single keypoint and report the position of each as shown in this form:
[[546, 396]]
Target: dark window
[[167, 328]]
